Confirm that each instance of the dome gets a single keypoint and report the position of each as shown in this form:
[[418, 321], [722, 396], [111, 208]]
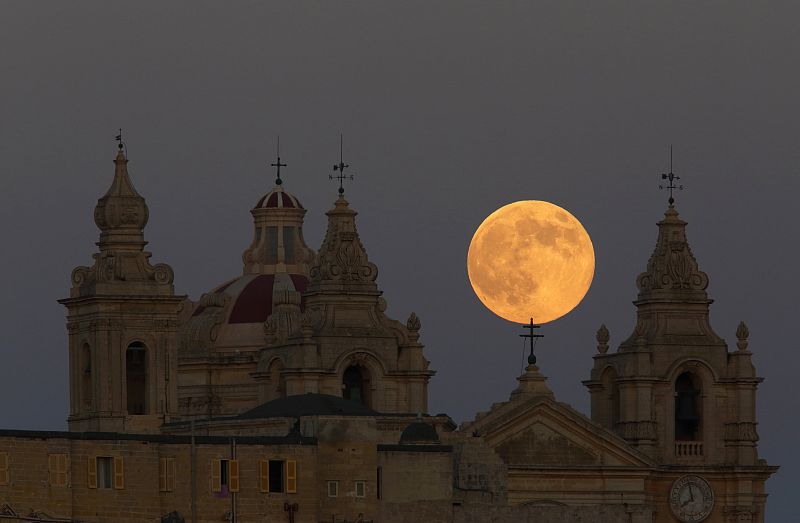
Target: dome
[[232, 315], [278, 198], [419, 432]]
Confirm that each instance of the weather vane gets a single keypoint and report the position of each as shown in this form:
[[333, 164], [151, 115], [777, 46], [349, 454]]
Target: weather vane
[[533, 337], [120, 143], [671, 177], [341, 166], [278, 164]]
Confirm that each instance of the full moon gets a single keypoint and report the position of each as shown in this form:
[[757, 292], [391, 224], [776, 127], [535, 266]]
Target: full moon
[[530, 259]]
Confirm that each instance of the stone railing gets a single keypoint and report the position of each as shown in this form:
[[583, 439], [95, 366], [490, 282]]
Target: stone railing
[[689, 450]]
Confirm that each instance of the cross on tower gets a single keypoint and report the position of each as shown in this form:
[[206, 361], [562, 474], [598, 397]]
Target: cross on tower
[[278, 164], [341, 166], [533, 337], [671, 177]]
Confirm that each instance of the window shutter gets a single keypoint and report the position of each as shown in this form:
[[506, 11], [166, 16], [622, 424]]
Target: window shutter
[[233, 480], [119, 473], [216, 475], [170, 474], [52, 468], [3, 468], [291, 476], [65, 468], [92, 471], [162, 474], [263, 466]]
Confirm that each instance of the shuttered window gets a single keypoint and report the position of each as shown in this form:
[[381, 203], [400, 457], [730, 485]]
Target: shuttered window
[[263, 469], [119, 473], [216, 475], [4, 468], [92, 473], [166, 476], [58, 468], [291, 476], [233, 476]]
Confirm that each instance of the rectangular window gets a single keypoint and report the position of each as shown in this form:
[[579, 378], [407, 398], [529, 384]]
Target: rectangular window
[[379, 482], [361, 488], [103, 467], [3, 468], [333, 489], [272, 244], [58, 469], [166, 477], [224, 475], [276, 478], [288, 244]]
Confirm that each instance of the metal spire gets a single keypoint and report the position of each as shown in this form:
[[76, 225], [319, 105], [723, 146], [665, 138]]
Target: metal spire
[[278, 164], [341, 166], [671, 177], [533, 337], [120, 144]]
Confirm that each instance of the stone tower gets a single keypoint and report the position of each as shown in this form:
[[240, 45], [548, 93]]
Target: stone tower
[[673, 390], [122, 321], [341, 343]]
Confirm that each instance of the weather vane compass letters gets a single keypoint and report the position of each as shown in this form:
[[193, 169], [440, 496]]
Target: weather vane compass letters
[[278, 164], [533, 337], [340, 167], [671, 177]]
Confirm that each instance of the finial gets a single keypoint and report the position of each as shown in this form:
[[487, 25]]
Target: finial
[[278, 164], [742, 333], [671, 177], [602, 339], [120, 144], [533, 337], [341, 166]]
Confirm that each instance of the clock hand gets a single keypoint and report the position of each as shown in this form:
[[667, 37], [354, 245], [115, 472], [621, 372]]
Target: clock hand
[[691, 494]]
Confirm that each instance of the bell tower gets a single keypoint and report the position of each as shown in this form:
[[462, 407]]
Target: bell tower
[[122, 320], [673, 389]]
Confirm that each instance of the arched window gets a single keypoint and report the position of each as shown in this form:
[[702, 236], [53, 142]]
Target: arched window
[[136, 378], [355, 384], [688, 412], [277, 381], [86, 375]]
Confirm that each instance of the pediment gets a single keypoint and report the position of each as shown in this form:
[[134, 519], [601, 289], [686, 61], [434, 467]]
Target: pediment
[[543, 432]]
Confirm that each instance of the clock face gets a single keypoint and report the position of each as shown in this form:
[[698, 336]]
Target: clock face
[[691, 499]]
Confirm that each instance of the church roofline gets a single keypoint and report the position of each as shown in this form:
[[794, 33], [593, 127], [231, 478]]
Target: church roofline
[[157, 438]]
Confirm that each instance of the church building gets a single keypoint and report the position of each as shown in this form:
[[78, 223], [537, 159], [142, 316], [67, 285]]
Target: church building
[[286, 393]]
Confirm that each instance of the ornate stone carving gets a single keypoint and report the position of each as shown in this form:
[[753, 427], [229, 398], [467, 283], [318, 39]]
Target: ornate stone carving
[[602, 339], [741, 431], [342, 258], [637, 430], [742, 333], [672, 266]]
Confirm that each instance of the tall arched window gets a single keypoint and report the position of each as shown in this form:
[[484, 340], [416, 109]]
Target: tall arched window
[[355, 384], [86, 375], [136, 378], [688, 412]]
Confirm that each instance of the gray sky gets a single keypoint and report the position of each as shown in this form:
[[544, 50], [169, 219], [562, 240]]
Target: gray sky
[[450, 110]]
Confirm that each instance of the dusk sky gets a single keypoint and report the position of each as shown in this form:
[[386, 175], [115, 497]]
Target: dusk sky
[[449, 110]]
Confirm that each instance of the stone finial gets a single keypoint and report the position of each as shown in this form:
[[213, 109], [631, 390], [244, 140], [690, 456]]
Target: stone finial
[[531, 384], [413, 323], [602, 339], [742, 333]]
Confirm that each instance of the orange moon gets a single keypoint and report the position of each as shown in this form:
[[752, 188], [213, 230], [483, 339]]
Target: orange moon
[[530, 259]]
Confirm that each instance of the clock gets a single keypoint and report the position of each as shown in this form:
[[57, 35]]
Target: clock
[[691, 499]]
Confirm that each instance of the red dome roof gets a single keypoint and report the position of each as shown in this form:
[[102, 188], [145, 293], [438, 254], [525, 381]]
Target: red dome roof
[[278, 198]]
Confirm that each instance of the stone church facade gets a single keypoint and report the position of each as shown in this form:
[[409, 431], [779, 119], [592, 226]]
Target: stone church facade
[[287, 394]]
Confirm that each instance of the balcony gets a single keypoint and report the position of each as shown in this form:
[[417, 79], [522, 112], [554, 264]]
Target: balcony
[[688, 451]]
